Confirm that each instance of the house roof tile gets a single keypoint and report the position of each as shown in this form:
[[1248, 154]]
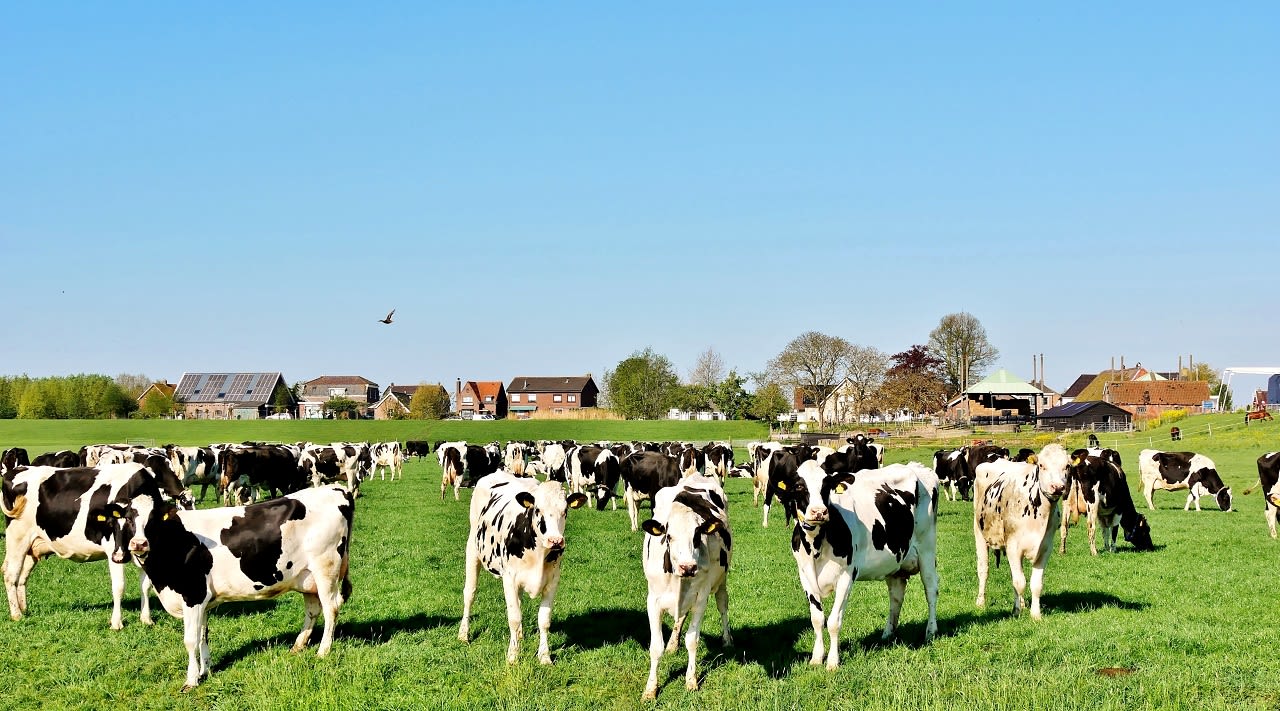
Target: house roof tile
[[553, 384], [1158, 392]]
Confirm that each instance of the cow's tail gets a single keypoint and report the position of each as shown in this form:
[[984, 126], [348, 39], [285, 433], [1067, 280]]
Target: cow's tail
[[19, 505], [998, 552], [1256, 484]]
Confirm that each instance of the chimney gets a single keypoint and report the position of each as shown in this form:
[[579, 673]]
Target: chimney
[[457, 395]]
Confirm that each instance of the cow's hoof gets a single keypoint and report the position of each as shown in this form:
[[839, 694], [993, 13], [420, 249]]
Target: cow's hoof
[[146, 620], [15, 616], [187, 687], [117, 626], [649, 694], [511, 659], [691, 684], [544, 659], [980, 602]]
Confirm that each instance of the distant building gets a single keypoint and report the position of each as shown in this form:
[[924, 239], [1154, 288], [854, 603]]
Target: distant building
[[316, 392], [480, 397], [157, 389], [1093, 415], [232, 396], [556, 394], [396, 398], [1149, 398]]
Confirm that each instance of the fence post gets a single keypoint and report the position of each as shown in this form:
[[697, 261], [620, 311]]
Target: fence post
[[1210, 429]]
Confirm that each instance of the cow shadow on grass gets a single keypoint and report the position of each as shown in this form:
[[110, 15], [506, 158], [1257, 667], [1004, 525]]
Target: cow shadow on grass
[[368, 631]]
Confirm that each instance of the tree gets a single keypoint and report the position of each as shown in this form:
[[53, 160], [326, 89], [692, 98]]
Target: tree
[[815, 363], [768, 402], [133, 385], [158, 405], [914, 382], [642, 385], [960, 342], [429, 402], [732, 399], [283, 399], [866, 373], [708, 371], [342, 407]]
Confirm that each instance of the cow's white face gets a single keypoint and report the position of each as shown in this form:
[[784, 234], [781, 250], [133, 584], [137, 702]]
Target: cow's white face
[[686, 535], [548, 508], [809, 493], [1053, 462]]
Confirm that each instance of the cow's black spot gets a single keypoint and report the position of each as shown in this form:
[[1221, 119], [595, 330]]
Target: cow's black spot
[[60, 500], [896, 526], [724, 557], [177, 560], [255, 539], [816, 603]]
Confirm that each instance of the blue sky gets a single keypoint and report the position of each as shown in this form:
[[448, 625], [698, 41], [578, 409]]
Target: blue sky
[[545, 189]]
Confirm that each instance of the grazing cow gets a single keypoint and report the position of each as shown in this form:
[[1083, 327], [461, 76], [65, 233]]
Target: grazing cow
[[1175, 434], [387, 457], [48, 512], [11, 459], [517, 534], [199, 465], [643, 475], [1015, 511], [450, 456], [480, 462], [873, 525], [745, 470], [417, 448], [1096, 486], [554, 458], [1268, 477], [952, 470], [198, 560], [63, 459], [595, 470], [321, 465], [1182, 470], [691, 461], [273, 467], [686, 558]]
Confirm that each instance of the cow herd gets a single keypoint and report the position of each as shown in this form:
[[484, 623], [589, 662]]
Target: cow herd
[[853, 518]]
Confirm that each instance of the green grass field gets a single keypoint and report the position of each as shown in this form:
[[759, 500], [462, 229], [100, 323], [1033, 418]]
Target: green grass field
[[1195, 620]]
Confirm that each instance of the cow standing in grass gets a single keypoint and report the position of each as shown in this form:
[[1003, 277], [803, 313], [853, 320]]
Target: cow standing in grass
[[686, 558], [1269, 482], [1015, 511], [1096, 487], [517, 534]]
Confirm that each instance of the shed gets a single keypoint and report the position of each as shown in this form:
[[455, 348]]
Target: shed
[[1086, 415]]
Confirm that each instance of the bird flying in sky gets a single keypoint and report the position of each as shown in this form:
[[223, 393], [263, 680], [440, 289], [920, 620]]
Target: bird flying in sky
[[388, 318]]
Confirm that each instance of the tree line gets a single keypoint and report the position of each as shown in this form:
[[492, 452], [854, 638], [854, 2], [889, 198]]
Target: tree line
[[81, 396]]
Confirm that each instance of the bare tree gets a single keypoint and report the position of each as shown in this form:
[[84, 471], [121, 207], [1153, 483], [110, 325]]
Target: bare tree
[[960, 342], [709, 370], [866, 372], [814, 363]]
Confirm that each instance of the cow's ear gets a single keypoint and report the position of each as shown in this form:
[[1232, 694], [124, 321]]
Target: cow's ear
[[1075, 461], [1031, 458], [711, 526], [575, 501], [782, 485], [525, 499], [653, 528]]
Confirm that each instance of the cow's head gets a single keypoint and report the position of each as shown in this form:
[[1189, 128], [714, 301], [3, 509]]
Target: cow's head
[[688, 529], [1140, 535], [1052, 465], [1224, 498], [547, 507], [126, 522], [807, 493]]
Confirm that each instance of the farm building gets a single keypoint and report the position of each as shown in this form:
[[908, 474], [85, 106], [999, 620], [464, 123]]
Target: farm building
[[480, 397], [156, 389], [552, 394], [1147, 399], [1072, 393], [1086, 415], [999, 398], [316, 392], [232, 396]]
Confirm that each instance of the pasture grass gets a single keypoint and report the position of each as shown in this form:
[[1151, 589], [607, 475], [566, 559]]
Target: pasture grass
[[1193, 623]]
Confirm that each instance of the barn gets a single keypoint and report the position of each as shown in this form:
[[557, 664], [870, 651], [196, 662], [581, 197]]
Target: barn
[[233, 396], [1093, 415]]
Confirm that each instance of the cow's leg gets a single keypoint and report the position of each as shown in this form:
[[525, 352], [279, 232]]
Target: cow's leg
[[311, 610], [544, 619], [655, 646], [1093, 527], [1018, 576], [897, 591], [1062, 532], [116, 570], [329, 590], [28, 565], [834, 621], [1270, 513], [691, 640], [633, 509], [765, 521], [192, 638], [1191, 497], [15, 561], [204, 642], [929, 577], [469, 588], [981, 544], [1037, 582], [722, 604], [512, 592], [1148, 490], [677, 625]]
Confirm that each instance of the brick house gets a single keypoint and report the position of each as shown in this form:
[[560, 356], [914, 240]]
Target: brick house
[[395, 401], [1150, 398], [480, 397], [157, 389], [318, 391], [232, 396], [552, 394]]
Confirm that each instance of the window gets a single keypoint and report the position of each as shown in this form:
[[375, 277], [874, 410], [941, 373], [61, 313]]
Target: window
[[337, 392], [488, 398], [515, 398], [573, 398], [533, 397], [556, 398], [466, 400]]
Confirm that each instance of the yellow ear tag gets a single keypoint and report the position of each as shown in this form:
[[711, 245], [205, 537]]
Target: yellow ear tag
[[165, 518], [101, 517], [782, 485], [711, 527], [840, 488], [116, 514], [1074, 462]]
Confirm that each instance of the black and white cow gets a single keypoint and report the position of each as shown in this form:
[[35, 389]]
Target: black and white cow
[[555, 459], [200, 559], [952, 471], [874, 525], [1096, 487], [595, 471], [1015, 511], [387, 457], [450, 456], [417, 448], [517, 534], [199, 466], [778, 465], [62, 459], [1268, 477], [643, 475], [48, 512], [272, 468], [515, 458], [686, 557], [1182, 470], [479, 462], [691, 461], [11, 459]]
